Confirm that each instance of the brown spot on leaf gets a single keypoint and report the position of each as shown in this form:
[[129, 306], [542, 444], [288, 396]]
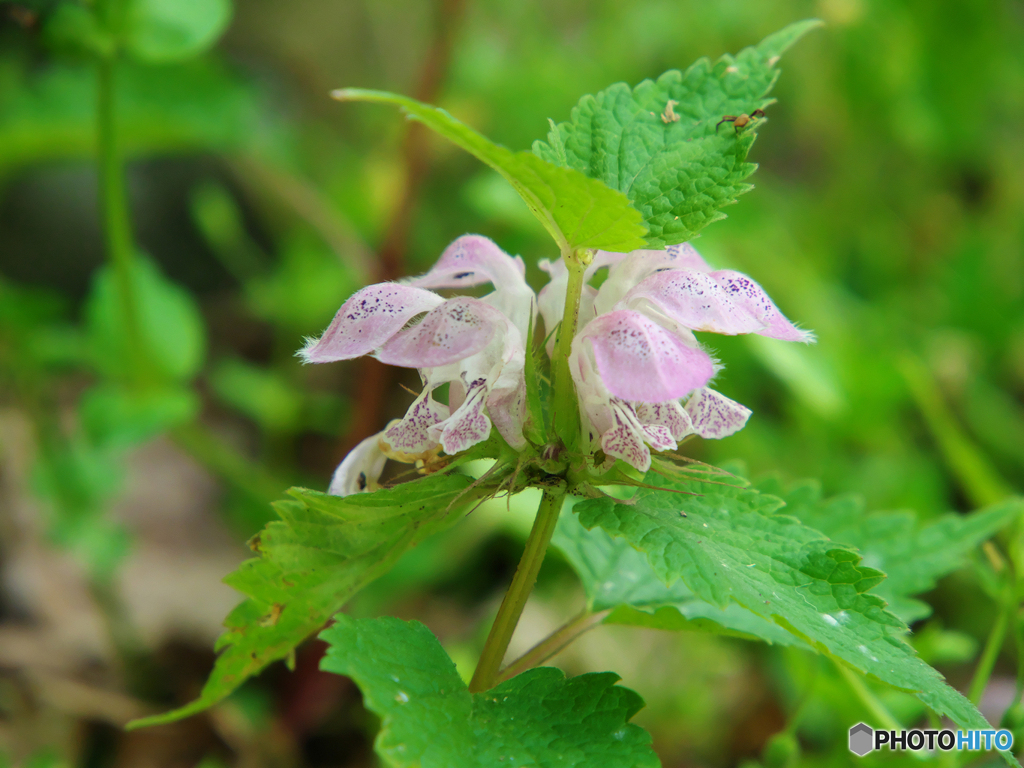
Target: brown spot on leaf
[[271, 618]]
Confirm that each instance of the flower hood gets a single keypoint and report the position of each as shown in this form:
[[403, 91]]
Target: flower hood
[[476, 346], [635, 356]]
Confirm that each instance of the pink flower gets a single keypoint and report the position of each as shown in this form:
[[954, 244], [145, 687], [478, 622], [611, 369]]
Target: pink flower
[[635, 357], [474, 345]]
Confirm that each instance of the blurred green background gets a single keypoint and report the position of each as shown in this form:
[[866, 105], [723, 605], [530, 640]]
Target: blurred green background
[[888, 216]]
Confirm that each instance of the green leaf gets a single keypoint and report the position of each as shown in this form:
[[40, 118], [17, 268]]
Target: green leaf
[[678, 173], [578, 212], [616, 576], [261, 394], [169, 322], [944, 646], [74, 28], [273, 401], [733, 547], [430, 719], [164, 31], [913, 556], [114, 417], [49, 113], [46, 757], [301, 293], [35, 332], [77, 484], [322, 551]]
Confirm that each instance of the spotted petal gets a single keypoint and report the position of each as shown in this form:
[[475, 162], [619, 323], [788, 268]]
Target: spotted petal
[[367, 320], [455, 330], [714, 415], [685, 256], [669, 415], [723, 302], [627, 273], [639, 360], [472, 260], [410, 437], [693, 299], [468, 425], [750, 296], [625, 439]]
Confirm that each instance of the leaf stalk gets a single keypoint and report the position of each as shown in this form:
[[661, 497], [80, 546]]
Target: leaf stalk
[[867, 697], [553, 643], [993, 644]]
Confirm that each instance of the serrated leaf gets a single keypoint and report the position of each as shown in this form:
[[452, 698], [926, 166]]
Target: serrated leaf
[[733, 547], [430, 719], [913, 556], [577, 211], [676, 165], [616, 576], [322, 551]]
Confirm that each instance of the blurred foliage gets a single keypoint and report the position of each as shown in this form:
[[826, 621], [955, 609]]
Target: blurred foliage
[[888, 216]]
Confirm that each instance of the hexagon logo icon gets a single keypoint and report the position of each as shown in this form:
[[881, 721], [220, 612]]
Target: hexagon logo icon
[[862, 739]]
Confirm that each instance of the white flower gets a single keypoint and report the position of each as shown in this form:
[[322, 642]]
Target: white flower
[[360, 471]]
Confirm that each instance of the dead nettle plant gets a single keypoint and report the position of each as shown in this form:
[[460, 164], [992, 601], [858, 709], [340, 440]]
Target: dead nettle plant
[[591, 410]]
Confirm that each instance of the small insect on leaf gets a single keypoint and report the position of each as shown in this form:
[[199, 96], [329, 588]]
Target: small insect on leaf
[[740, 121], [669, 115]]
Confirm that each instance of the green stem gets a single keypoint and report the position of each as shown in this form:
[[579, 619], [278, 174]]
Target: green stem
[[979, 479], [553, 643], [945, 759], [566, 411], [116, 222], [868, 699], [993, 645], [805, 698], [519, 590]]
